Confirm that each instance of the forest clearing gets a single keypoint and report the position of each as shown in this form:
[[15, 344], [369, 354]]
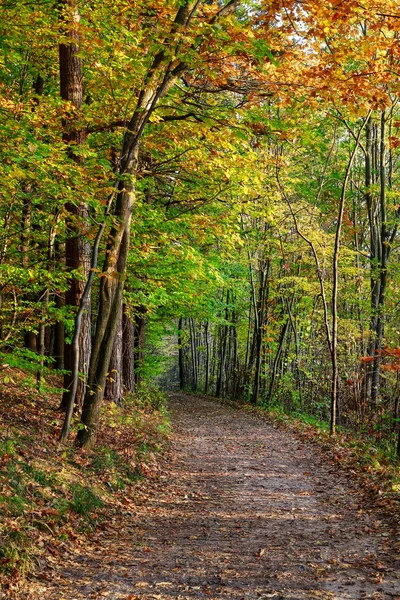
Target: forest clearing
[[199, 199]]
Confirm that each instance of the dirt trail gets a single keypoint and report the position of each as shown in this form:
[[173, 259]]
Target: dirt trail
[[243, 511]]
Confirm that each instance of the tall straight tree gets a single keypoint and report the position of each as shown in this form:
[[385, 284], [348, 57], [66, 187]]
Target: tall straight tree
[[77, 247], [383, 219], [167, 66]]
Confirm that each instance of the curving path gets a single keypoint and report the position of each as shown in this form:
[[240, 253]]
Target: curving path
[[242, 511]]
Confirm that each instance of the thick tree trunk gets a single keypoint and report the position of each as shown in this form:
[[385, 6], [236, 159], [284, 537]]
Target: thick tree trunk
[[30, 341], [110, 303], [113, 389], [77, 248], [140, 339], [128, 352], [110, 296]]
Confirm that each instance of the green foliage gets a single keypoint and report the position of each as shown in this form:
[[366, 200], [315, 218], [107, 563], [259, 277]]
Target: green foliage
[[44, 479], [142, 428], [287, 394], [15, 552], [49, 493], [111, 464], [147, 397], [84, 500], [7, 448], [105, 459]]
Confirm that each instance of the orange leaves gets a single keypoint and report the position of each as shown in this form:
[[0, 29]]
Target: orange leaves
[[394, 141], [338, 52], [391, 354], [367, 359]]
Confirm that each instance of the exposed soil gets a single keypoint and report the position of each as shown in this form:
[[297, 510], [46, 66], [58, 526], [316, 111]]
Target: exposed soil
[[241, 511]]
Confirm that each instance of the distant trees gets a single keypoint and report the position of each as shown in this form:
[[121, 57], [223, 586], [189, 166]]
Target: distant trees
[[321, 306]]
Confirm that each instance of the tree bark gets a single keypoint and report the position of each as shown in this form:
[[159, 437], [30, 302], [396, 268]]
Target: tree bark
[[180, 355], [59, 337], [384, 253], [110, 304], [335, 287], [128, 351], [277, 357], [192, 328], [140, 340], [224, 332], [370, 143], [261, 310], [77, 248], [113, 390], [207, 365]]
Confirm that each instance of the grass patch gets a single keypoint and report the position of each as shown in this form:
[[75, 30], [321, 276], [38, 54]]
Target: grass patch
[[7, 448], [16, 553], [84, 500]]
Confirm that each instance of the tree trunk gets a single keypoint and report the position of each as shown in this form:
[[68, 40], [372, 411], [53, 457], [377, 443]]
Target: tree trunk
[[192, 328], [77, 257], [110, 303], [59, 337], [277, 357], [113, 390], [370, 142], [223, 348], [207, 366], [221, 366], [42, 338], [140, 339], [334, 348], [384, 253], [261, 309], [77, 248], [128, 352], [180, 355]]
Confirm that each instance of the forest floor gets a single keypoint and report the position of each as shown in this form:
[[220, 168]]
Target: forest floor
[[240, 510]]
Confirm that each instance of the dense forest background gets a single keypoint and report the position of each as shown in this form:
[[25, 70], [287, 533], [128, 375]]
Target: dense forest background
[[205, 193]]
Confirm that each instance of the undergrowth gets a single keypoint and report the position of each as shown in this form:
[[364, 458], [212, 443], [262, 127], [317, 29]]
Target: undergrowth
[[52, 495]]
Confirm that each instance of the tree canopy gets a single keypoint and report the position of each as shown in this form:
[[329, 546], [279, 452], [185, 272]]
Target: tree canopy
[[208, 190]]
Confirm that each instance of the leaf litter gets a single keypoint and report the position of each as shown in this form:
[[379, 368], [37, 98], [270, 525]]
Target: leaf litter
[[238, 510]]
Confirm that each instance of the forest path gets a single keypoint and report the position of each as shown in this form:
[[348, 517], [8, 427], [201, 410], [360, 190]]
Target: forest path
[[242, 511]]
